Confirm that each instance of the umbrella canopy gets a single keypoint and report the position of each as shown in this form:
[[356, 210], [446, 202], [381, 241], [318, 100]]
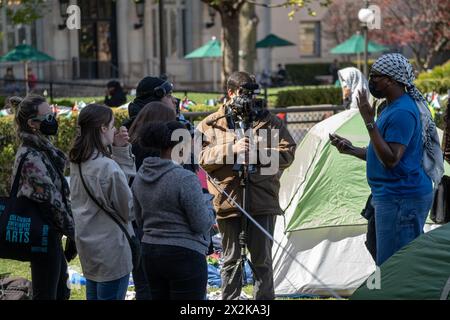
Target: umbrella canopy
[[355, 44], [25, 52], [271, 41], [212, 49]]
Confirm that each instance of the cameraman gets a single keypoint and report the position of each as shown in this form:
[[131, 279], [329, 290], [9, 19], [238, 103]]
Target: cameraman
[[220, 143]]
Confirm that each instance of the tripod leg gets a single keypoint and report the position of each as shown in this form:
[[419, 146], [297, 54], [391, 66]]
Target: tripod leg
[[235, 270]]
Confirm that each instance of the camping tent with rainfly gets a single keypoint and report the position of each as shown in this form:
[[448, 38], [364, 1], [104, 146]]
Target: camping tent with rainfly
[[420, 270], [322, 194]]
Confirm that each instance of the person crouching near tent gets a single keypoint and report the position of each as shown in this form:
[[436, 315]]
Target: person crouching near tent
[[175, 216], [403, 157], [101, 163]]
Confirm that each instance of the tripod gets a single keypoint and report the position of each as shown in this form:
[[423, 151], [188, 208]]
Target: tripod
[[244, 171]]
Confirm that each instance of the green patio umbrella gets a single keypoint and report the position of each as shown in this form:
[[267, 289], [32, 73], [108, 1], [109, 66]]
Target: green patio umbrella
[[355, 44], [212, 49], [25, 53], [271, 41]]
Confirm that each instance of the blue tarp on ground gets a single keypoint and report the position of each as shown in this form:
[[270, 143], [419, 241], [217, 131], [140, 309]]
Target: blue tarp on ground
[[214, 275]]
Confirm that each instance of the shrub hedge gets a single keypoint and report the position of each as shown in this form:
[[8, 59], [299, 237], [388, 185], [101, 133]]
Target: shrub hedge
[[438, 79], [304, 74], [63, 141], [309, 96]]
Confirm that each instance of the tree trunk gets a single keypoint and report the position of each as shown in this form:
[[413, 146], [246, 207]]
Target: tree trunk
[[248, 22], [230, 44], [419, 62], [436, 49]]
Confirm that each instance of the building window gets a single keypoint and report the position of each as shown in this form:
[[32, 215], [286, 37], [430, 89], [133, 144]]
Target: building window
[[175, 27], [309, 39], [12, 35]]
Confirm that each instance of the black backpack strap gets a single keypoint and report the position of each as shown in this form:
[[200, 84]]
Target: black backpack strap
[[15, 186], [111, 215]]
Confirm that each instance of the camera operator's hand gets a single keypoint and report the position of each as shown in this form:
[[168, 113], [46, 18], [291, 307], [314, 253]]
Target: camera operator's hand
[[241, 146], [121, 137]]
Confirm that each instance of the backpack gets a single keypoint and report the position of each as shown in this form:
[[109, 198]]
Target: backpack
[[433, 159], [15, 288]]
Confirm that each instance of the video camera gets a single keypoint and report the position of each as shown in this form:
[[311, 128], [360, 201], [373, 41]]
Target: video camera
[[245, 106]]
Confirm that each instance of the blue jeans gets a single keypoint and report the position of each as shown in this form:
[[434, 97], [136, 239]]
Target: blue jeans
[[398, 222], [109, 290]]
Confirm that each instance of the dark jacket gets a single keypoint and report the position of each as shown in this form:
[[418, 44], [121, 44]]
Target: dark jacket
[[117, 99]]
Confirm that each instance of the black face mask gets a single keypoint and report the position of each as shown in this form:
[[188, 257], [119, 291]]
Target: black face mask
[[49, 126], [374, 92]]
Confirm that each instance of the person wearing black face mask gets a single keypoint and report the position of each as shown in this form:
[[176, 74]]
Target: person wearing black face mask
[[48, 124], [403, 157], [377, 85], [42, 181]]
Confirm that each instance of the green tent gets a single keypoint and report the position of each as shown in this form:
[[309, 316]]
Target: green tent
[[322, 194], [328, 176], [420, 270]]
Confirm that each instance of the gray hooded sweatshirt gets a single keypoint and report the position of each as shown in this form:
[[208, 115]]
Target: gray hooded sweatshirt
[[170, 206]]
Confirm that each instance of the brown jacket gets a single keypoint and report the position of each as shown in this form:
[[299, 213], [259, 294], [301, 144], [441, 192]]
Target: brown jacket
[[217, 145]]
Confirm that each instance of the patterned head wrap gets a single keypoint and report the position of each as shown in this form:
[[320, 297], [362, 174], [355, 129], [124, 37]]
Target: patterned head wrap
[[398, 68]]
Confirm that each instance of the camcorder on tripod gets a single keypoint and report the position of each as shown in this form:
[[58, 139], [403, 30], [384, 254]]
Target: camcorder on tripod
[[241, 112]]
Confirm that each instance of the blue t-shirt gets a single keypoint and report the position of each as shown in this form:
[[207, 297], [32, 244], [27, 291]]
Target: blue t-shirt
[[399, 123]]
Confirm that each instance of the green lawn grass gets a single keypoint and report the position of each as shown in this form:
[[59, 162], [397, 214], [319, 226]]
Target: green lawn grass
[[22, 269]]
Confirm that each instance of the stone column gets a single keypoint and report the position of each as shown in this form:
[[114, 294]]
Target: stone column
[[122, 8], [148, 38], [74, 49], [266, 24]]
